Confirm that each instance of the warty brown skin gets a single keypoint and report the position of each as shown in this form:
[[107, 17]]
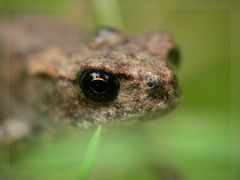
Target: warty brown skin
[[41, 61]]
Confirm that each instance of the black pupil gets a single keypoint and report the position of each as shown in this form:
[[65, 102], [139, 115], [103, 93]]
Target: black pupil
[[99, 86]]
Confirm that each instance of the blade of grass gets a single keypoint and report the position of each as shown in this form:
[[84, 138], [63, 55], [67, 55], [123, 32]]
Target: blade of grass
[[107, 13], [90, 155]]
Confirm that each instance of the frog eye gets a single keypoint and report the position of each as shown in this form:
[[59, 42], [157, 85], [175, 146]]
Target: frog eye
[[99, 86]]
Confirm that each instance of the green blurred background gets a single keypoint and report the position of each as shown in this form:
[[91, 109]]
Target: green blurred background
[[196, 141]]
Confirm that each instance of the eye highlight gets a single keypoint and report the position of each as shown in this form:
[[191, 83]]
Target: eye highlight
[[99, 86]]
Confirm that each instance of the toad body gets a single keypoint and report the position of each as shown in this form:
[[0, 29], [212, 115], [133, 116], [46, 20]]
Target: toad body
[[53, 73]]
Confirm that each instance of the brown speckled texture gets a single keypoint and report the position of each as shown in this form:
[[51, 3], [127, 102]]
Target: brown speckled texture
[[47, 60]]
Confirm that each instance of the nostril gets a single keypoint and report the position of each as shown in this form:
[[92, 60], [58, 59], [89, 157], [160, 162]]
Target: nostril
[[156, 89], [151, 84]]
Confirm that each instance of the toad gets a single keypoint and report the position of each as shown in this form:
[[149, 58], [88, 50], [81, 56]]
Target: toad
[[52, 73]]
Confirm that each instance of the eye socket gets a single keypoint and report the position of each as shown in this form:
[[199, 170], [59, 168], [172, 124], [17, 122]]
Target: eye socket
[[98, 85]]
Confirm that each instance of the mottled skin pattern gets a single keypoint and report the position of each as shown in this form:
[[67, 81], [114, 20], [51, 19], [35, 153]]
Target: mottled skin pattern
[[45, 59]]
